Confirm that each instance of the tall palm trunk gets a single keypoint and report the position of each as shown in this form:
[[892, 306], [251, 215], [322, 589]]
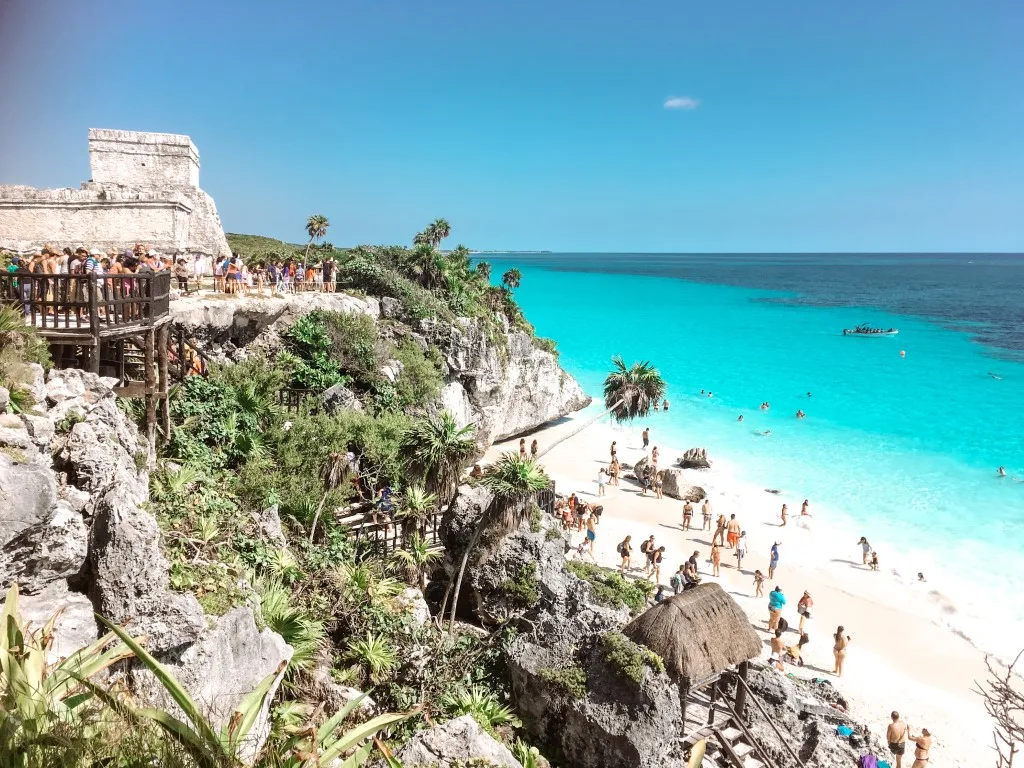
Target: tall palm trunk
[[462, 567], [576, 431]]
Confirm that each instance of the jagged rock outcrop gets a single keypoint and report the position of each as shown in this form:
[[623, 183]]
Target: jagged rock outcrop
[[454, 744], [76, 537], [695, 458], [505, 386], [340, 397]]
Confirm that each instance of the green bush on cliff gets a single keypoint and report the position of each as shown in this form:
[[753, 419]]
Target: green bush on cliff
[[523, 589], [610, 588], [420, 381], [628, 658], [572, 681]]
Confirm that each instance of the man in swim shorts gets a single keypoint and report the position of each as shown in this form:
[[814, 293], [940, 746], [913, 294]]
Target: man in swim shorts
[[647, 437], [733, 531], [896, 735]]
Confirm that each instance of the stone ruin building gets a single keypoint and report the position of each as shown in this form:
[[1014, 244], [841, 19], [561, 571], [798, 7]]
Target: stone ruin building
[[144, 188]]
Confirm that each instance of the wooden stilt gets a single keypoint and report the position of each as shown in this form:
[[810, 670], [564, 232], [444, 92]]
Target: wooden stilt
[[151, 389], [165, 404], [741, 690], [714, 701]]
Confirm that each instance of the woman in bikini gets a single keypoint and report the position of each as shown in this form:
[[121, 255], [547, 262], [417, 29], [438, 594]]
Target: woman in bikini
[[626, 551], [716, 559], [922, 746], [687, 515], [839, 650]]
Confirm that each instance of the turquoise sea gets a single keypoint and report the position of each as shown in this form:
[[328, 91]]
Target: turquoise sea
[[904, 449]]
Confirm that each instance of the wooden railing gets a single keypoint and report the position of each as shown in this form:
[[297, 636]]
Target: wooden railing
[[87, 304], [292, 399], [186, 358]]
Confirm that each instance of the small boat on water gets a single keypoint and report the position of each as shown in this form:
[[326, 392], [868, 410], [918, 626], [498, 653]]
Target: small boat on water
[[866, 330]]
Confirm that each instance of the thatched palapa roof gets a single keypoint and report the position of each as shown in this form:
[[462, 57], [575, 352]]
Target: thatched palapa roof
[[698, 633]]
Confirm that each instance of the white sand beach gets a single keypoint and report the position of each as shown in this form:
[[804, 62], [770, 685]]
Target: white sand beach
[[900, 657]]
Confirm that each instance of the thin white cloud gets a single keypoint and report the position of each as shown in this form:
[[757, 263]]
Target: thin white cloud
[[681, 102]]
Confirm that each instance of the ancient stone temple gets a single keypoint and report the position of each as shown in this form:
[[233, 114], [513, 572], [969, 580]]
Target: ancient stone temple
[[144, 189]]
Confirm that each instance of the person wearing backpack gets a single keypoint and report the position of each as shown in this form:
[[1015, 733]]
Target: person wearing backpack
[[677, 581], [625, 550]]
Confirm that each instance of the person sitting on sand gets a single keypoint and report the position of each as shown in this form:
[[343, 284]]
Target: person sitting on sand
[[778, 645], [758, 584], [720, 530], [839, 650], [716, 559], [874, 561], [659, 596], [922, 746], [865, 549], [687, 515], [625, 550], [705, 509], [776, 602], [896, 736], [794, 653], [691, 577], [733, 530]]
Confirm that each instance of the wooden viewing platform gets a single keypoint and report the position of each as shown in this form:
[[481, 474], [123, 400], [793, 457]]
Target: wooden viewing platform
[[114, 325]]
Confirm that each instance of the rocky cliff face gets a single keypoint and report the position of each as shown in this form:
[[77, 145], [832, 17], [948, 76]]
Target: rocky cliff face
[[75, 536], [506, 386]]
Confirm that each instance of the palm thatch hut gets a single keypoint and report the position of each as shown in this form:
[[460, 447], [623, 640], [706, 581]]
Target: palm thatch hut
[[699, 634]]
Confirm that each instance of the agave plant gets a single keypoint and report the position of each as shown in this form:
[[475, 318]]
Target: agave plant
[[302, 631], [375, 654], [416, 556], [205, 744], [303, 748], [482, 705], [37, 695]]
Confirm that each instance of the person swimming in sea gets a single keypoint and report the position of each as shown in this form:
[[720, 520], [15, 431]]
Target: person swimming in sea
[[1001, 471], [800, 414], [740, 417]]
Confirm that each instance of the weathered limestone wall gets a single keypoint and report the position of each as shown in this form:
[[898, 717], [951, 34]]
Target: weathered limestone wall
[[145, 188]]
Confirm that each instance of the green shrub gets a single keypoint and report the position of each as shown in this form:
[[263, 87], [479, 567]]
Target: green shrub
[[553, 533], [629, 658], [420, 381], [571, 680], [523, 588], [610, 588], [482, 705], [548, 345]]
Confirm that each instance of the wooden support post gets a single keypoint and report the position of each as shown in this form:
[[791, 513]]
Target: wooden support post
[[685, 696], [714, 701], [741, 690], [151, 390], [165, 404]]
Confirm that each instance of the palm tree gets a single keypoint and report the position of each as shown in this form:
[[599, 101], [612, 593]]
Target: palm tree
[[483, 269], [437, 449], [316, 228], [414, 507], [332, 474], [416, 556], [421, 238], [437, 231], [512, 481], [629, 392], [428, 265], [512, 279]]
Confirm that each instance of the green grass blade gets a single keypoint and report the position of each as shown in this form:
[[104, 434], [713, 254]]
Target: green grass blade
[[350, 738], [338, 718]]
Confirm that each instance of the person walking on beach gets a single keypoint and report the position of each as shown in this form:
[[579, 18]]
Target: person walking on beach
[[614, 452], [654, 564], [733, 530], [720, 530], [865, 549], [654, 456], [896, 736], [803, 608], [614, 471], [741, 550], [839, 650], [659, 481], [625, 550], [646, 548], [678, 579], [773, 562], [922, 746], [716, 559], [776, 602], [758, 584], [602, 475], [705, 509], [647, 437], [687, 515], [645, 479], [534, 450], [588, 541], [783, 514]]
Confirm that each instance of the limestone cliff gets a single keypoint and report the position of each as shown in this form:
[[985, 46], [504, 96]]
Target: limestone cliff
[[506, 385]]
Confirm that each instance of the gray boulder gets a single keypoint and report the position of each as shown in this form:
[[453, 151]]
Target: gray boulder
[[131, 578], [40, 429], [339, 397], [454, 744], [97, 460], [13, 433], [270, 526], [51, 548], [220, 669], [37, 385], [27, 493], [412, 602], [674, 484], [5, 399], [75, 627], [695, 458]]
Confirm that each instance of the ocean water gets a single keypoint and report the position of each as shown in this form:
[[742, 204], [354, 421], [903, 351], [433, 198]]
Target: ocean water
[[901, 449]]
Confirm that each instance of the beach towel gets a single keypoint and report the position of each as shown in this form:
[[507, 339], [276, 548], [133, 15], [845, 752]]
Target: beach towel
[[868, 761], [844, 731], [883, 764]]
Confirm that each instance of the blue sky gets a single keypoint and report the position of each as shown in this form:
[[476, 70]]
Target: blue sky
[[814, 126]]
